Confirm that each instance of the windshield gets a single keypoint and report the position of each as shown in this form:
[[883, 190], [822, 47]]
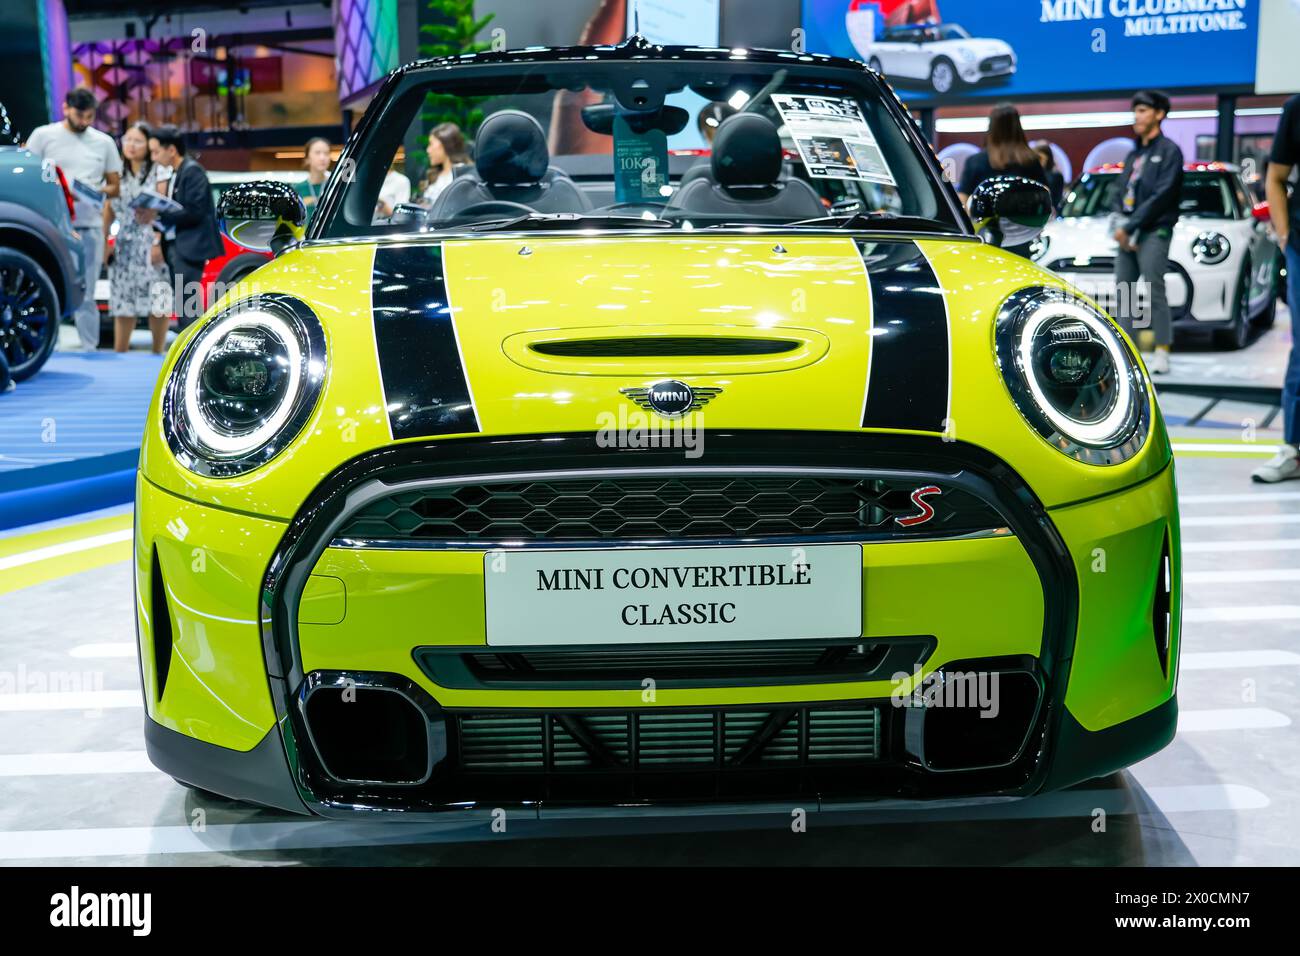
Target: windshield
[[1207, 194], [930, 33], [631, 145]]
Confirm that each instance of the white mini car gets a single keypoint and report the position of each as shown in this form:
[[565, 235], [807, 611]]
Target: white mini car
[[942, 55], [1225, 269]]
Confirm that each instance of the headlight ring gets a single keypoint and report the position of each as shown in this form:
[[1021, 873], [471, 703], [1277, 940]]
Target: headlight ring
[[245, 386], [1072, 376]]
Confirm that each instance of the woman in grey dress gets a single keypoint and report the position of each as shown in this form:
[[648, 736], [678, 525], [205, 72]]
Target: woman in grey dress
[[137, 278]]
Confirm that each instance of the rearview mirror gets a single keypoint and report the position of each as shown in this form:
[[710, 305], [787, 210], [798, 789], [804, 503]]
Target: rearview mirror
[[1010, 210], [263, 216]]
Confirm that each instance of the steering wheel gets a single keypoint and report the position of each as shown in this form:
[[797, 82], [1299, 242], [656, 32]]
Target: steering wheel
[[491, 207]]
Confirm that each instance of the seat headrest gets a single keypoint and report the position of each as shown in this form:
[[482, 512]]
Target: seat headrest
[[510, 149], [746, 151]]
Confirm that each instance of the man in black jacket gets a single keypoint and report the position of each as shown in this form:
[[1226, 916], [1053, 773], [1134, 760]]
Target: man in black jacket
[[192, 235], [1146, 210]]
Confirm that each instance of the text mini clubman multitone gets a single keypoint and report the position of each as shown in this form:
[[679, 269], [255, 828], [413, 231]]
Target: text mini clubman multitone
[[392, 555]]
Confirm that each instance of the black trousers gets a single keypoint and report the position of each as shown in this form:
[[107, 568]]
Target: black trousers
[[187, 286]]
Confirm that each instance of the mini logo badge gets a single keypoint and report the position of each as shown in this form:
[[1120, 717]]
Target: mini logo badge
[[670, 399]]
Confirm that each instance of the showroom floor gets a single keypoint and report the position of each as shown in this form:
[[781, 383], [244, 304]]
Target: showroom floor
[[76, 788]]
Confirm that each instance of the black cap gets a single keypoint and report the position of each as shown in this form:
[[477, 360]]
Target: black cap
[[1152, 98]]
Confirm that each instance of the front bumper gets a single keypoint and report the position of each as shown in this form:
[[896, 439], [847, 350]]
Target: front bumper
[[1081, 632]]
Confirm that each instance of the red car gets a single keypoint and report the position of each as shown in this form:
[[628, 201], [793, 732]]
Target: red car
[[233, 264]]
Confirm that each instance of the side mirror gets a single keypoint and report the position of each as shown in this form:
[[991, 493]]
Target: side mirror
[[1260, 212], [263, 216], [1010, 210]]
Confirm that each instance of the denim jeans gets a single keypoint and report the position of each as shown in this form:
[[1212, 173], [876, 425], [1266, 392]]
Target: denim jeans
[[87, 315], [1291, 384]]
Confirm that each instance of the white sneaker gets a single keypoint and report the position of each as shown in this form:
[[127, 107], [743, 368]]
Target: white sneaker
[[1284, 465], [1158, 363]]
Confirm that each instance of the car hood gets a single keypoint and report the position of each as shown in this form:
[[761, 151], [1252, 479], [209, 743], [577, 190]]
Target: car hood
[[980, 46], [1079, 236], [1091, 236], [493, 337]]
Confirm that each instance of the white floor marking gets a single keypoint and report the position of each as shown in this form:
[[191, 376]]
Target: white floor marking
[[70, 700], [45, 765], [1242, 496], [120, 649], [1232, 448], [1259, 612], [1231, 718], [67, 547], [1262, 544], [1208, 521], [1216, 660], [324, 834], [1253, 576]]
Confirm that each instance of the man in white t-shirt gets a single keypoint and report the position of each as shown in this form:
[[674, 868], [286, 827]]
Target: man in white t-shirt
[[88, 157]]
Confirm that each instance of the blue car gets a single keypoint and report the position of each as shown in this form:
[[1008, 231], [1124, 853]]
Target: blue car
[[40, 257]]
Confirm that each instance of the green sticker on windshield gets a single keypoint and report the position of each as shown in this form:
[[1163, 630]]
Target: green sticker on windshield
[[640, 164]]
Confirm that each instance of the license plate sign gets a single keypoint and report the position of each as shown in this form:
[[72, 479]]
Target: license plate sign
[[666, 595]]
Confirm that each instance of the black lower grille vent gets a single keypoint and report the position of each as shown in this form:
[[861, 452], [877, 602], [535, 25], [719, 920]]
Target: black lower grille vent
[[668, 740]]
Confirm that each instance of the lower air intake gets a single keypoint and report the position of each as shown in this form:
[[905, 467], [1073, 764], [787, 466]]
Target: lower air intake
[[668, 740]]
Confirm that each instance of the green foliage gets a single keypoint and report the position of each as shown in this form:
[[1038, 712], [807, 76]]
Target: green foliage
[[455, 32]]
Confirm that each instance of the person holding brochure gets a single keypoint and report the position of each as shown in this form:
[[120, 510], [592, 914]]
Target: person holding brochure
[[89, 158], [137, 276], [194, 237]]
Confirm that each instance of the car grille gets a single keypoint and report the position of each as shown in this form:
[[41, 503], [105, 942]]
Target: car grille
[[678, 665], [653, 508], [1099, 265], [995, 64], [669, 740]]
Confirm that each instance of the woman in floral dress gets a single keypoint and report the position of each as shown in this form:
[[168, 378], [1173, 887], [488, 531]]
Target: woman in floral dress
[[137, 278]]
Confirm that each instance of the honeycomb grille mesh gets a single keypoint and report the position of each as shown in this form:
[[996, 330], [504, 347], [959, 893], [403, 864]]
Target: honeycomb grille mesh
[[641, 508]]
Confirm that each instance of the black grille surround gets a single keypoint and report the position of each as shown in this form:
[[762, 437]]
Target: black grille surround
[[969, 467], [717, 664], [995, 64], [672, 507]]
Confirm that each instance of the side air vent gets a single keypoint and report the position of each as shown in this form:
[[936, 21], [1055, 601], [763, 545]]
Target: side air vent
[[1161, 622], [160, 621], [664, 345]]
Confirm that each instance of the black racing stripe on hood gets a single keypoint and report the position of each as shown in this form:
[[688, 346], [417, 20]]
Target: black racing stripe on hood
[[907, 385], [426, 390]]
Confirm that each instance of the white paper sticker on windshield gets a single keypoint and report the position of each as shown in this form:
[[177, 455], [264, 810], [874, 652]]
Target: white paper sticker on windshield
[[833, 139]]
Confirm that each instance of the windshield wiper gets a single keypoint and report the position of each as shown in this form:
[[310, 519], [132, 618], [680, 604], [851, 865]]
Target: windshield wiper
[[877, 220], [562, 220]]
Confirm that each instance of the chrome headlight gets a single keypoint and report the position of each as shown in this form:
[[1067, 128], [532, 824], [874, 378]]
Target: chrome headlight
[[1211, 248], [245, 386], [1038, 247], [1073, 376]]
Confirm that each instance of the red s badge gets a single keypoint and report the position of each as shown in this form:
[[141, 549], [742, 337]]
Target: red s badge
[[918, 499]]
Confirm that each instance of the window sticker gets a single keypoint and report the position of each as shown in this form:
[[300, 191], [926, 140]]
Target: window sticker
[[833, 139]]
